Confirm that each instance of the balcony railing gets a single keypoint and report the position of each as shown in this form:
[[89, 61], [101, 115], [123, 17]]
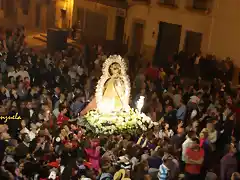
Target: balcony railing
[[146, 1], [134, 2], [168, 2], [201, 4], [113, 3]]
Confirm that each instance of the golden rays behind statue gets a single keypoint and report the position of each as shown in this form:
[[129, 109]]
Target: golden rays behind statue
[[113, 113], [113, 89]]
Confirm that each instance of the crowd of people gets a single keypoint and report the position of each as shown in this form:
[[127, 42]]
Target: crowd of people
[[196, 135], [207, 66]]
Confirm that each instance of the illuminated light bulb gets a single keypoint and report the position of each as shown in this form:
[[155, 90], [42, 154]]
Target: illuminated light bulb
[[140, 103]]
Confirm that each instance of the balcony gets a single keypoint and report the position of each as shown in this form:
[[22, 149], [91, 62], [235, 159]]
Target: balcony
[[113, 3], [144, 1], [25, 4], [136, 2], [168, 3], [201, 6]]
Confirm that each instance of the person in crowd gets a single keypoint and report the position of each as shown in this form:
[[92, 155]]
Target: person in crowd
[[235, 176], [56, 96], [170, 115], [187, 143], [166, 132], [194, 157], [229, 162], [22, 150], [178, 139], [181, 111], [62, 118], [164, 170]]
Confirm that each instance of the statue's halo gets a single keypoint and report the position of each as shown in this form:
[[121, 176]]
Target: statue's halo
[[114, 59], [105, 76]]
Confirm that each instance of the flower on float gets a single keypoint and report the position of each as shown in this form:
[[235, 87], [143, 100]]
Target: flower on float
[[127, 121], [150, 125]]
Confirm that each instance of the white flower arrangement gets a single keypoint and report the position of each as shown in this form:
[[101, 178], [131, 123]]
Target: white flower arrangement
[[118, 122]]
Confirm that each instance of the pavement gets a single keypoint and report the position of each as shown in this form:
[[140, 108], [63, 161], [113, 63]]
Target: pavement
[[35, 38], [34, 43], [30, 33]]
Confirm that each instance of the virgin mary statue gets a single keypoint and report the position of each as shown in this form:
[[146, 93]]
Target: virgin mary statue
[[110, 107], [113, 88]]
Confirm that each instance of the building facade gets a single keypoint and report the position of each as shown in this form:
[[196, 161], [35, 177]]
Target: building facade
[[209, 26], [162, 27], [151, 27], [38, 14]]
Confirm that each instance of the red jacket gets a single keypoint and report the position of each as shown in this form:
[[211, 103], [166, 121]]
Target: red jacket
[[237, 111], [61, 118], [194, 155], [152, 73]]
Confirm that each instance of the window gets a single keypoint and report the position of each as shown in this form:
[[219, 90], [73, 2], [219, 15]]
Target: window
[[80, 16], [201, 4], [168, 2], [48, 2], [115, 3], [25, 6], [1, 4], [78, 13], [147, 1]]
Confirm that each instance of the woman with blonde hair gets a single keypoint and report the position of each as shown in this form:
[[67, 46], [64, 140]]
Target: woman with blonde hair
[[235, 176]]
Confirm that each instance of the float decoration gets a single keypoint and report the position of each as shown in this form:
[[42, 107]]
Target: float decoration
[[113, 113]]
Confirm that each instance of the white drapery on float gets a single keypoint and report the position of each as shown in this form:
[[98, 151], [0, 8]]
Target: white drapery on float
[[109, 112]]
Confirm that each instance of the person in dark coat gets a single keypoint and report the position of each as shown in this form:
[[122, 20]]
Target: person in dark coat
[[229, 163], [170, 116], [22, 149], [56, 96]]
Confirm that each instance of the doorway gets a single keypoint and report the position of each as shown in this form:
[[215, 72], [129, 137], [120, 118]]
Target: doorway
[[119, 30], [80, 17], [25, 6], [167, 43], [51, 9], [93, 20], [38, 13], [64, 18], [137, 37], [9, 11], [2, 4], [193, 42]]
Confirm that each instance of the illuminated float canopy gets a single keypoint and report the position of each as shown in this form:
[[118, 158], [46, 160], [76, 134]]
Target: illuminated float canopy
[[113, 113]]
